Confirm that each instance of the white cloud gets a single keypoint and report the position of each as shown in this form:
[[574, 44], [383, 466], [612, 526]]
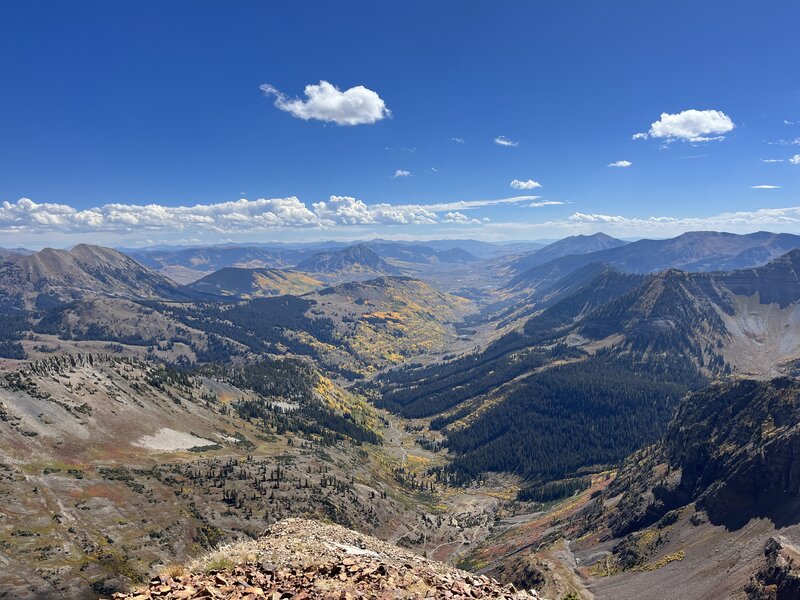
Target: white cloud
[[690, 126], [766, 219], [794, 142], [639, 136], [771, 160], [623, 164], [471, 204], [458, 140], [502, 140], [748, 221], [458, 217], [27, 216], [325, 102], [545, 203], [764, 186], [401, 173], [795, 160], [529, 184], [344, 210]]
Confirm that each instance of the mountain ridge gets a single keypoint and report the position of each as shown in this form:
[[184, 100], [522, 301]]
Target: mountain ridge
[[358, 260], [51, 275], [256, 282]]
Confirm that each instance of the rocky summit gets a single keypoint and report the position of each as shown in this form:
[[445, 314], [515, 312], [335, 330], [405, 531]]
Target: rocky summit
[[301, 558]]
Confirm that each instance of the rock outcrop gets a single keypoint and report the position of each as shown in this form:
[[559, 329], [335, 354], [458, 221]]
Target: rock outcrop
[[732, 448], [779, 578], [299, 558]]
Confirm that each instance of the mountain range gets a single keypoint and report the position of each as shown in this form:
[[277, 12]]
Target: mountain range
[[592, 416]]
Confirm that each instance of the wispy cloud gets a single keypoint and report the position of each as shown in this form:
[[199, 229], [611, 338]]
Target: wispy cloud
[[765, 186], [765, 218], [502, 140], [457, 140], [545, 203], [792, 142], [771, 160], [528, 184], [471, 204], [325, 102], [401, 173], [621, 164], [689, 126]]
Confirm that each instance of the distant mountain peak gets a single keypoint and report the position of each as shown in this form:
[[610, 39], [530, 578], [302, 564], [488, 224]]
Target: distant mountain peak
[[574, 245], [358, 257], [85, 269]]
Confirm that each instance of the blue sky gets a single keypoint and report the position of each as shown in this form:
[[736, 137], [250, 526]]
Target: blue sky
[[135, 122]]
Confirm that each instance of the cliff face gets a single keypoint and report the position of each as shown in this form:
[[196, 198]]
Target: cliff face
[[732, 448], [299, 558]]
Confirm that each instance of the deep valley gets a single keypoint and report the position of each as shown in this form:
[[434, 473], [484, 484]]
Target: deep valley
[[577, 424]]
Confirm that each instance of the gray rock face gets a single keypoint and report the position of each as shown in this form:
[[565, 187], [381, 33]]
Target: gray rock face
[[732, 448], [779, 578]]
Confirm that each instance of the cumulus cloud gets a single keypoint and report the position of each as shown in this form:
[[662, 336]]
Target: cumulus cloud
[[27, 216], [795, 160], [461, 218], [622, 164], [529, 184], [401, 173], [502, 140], [690, 126], [325, 102], [345, 210], [765, 186]]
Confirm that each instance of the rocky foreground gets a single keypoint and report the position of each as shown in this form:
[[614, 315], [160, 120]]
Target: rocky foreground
[[299, 558]]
